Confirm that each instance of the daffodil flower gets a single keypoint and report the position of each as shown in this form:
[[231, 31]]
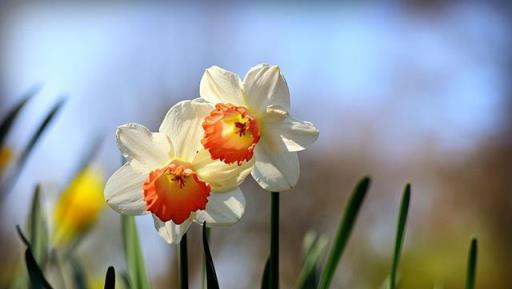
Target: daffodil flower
[[251, 118], [5, 158], [171, 176], [79, 206]]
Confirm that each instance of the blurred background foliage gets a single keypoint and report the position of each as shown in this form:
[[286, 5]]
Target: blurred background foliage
[[414, 91]]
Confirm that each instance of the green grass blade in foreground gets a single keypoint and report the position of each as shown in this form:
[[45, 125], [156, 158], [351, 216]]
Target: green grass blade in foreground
[[265, 280], [211, 275], [8, 121], [36, 277], [314, 248], [12, 178], [110, 278], [78, 273], [37, 228], [402, 220], [472, 259], [343, 233], [133, 254], [35, 273]]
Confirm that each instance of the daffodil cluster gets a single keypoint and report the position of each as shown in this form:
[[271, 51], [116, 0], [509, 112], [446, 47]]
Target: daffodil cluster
[[191, 168]]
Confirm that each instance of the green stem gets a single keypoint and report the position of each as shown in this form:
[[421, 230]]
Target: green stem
[[183, 262], [274, 241], [203, 270]]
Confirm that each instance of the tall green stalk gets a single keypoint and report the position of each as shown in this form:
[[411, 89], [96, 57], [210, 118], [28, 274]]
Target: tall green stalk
[[274, 241], [183, 262]]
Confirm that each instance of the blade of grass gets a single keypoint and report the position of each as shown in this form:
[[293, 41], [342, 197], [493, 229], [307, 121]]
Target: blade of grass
[[265, 281], [13, 175], [35, 273], [78, 273], [343, 233], [274, 241], [11, 116], [211, 276], [37, 228], [36, 276], [313, 247], [110, 278], [133, 253], [400, 232], [472, 259]]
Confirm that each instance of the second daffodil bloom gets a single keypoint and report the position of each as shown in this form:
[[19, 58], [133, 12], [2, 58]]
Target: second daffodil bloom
[[251, 118], [5, 158], [79, 206], [170, 175]]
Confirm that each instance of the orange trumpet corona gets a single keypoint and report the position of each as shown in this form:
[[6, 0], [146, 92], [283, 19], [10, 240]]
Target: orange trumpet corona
[[175, 192], [230, 133]]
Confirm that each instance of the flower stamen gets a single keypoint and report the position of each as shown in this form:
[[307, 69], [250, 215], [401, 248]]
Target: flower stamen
[[231, 133], [175, 192]]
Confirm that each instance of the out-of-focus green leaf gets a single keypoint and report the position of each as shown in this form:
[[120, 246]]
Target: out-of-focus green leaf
[[472, 259], [211, 276], [38, 229], [133, 253], [402, 220], [37, 280], [13, 174], [265, 281], [36, 276], [110, 278], [79, 278], [9, 119], [313, 247], [343, 233]]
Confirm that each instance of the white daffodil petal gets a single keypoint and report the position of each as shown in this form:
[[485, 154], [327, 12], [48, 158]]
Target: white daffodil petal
[[149, 150], [171, 232], [222, 209], [296, 134], [221, 86], [276, 169], [183, 126], [264, 85], [221, 176], [124, 192]]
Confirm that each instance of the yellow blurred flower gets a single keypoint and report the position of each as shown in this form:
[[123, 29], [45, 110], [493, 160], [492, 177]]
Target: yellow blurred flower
[[6, 155], [79, 206]]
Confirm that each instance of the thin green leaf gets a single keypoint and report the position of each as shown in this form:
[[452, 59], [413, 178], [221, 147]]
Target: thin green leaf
[[78, 273], [400, 232], [265, 281], [22, 236], [314, 248], [344, 230], [472, 259], [211, 275], [37, 228], [12, 178], [36, 276], [9, 119], [37, 280], [133, 253], [110, 278]]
